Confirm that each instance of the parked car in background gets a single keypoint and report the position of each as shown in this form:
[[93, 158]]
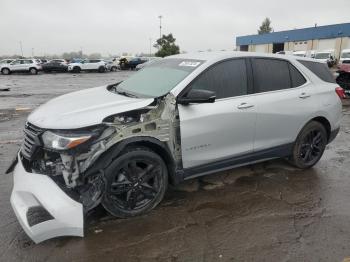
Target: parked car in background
[[126, 64], [55, 65], [75, 60], [148, 63], [343, 78], [32, 66], [6, 61], [43, 60], [310, 53], [284, 53], [88, 65], [299, 53], [345, 56], [115, 65], [184, 116], [326, 56]]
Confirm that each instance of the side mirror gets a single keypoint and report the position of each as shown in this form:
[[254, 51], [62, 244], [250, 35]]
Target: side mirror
[[82, 62], [197, 96]]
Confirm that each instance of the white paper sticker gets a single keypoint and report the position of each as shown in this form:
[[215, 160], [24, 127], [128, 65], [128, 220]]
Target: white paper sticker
[[189, 63]]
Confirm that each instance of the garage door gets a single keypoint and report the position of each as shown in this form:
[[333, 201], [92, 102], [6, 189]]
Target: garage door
[[260, 48], [325, 44]]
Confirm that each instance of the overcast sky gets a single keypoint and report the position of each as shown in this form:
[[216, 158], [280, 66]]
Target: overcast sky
[[115, 26]]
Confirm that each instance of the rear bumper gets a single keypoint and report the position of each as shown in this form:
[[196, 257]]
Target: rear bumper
[[42, 208]]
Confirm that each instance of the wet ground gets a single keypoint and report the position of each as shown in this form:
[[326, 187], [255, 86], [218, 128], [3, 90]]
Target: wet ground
[[263, 212]]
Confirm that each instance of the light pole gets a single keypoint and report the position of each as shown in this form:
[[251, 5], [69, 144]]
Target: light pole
[[20, 44], [160, 26], [33, 52]]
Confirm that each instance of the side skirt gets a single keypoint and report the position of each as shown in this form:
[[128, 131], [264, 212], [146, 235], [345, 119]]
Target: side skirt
[[254, 157]]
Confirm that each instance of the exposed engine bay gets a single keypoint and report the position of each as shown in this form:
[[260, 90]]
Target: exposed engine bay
[[73, 169]]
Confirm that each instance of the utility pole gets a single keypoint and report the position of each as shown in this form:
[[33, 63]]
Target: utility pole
[[150, 47], [33, 52], [20, 44], [160, 26]]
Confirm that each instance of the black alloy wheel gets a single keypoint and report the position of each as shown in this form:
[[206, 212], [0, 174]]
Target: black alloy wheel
[[136, 183], [310, 145]]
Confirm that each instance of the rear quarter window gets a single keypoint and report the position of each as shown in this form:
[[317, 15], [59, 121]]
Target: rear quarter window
[[297, 78], [319, 69]]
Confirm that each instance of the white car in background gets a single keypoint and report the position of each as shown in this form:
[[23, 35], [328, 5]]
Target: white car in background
[[98, 65], [344, 55], [6, 61], [326, 56], [299, 53], [30, 65]]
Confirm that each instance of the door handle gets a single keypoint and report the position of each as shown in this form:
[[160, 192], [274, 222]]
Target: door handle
[[304, 95], [244, 106]]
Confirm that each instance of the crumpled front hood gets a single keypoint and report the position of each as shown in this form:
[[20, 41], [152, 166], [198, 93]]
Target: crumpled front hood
[[83, 108]]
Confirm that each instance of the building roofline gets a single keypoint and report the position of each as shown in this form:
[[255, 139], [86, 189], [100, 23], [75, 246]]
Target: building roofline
[[303, 34]]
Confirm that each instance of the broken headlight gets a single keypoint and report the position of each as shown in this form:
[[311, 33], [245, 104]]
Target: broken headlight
[[52, 140]]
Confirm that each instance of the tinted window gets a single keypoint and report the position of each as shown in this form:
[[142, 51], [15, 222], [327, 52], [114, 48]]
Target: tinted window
[[270, 75], [319, 69], [296, 77], [226, 79]]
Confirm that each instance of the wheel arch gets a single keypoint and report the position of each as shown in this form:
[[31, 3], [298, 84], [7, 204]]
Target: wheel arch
[[154, 144], [324, 121], [6, 68]]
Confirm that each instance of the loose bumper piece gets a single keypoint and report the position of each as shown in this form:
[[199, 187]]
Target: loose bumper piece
[[42, 208]]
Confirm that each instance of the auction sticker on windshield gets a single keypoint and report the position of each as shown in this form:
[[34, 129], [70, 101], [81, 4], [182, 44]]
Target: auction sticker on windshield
[[189, 63]]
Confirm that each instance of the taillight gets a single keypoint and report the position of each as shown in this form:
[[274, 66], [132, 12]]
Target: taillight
[[340, 92]]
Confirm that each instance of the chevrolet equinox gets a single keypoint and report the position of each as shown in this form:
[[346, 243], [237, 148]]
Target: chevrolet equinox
[[182, 116]]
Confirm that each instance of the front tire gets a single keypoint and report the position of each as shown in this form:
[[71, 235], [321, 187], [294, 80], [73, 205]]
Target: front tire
[[101, 69], [5, 71], [309, 145], [136, 182]]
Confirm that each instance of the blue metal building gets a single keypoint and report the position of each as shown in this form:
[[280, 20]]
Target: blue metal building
[[330, 36]]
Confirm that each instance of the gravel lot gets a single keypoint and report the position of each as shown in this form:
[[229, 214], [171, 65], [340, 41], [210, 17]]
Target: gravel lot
[[264, 212]]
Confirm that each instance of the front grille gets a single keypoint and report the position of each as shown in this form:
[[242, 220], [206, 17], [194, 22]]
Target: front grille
[[31, 140]]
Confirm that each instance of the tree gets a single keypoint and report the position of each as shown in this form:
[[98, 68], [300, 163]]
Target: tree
[[166, 46], [265, 27]]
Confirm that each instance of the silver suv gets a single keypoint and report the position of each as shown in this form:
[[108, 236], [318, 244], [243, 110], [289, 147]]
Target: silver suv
[[181, 117], [31, 65]]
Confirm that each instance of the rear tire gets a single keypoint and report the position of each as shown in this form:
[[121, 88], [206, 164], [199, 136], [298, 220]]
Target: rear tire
[[101, 69], [5, 71], [113, 69], [136, 182], [33, 71], [309, 145]]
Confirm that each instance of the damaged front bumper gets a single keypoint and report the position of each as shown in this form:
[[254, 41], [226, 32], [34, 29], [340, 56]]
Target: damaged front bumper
[[42, 208]]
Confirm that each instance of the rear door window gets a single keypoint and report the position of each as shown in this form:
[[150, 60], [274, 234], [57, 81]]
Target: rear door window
[[270, 74], [319, 69], [226, 79]]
